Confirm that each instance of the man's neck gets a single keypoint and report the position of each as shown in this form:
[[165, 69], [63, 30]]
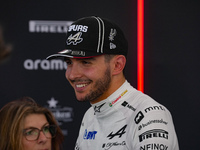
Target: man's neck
[[115, 84]]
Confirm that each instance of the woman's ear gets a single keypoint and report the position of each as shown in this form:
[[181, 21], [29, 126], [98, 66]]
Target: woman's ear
[[119, 64]]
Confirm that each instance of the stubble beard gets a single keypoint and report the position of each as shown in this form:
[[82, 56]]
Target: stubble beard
[[101, 86]]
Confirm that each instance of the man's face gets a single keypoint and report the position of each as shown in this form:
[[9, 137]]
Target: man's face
[[89, 77]]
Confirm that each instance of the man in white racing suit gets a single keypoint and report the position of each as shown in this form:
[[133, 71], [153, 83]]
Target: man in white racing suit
[[127, 120], [121, 118]]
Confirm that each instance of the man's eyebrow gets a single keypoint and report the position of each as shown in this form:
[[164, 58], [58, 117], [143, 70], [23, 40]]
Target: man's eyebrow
[[79, 59], [92, 58], [66, 58]]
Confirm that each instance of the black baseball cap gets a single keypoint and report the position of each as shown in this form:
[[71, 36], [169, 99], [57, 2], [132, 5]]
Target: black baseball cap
[[93, 36]]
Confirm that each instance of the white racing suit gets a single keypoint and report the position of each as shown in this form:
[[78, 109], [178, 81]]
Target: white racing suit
[[127, 120]]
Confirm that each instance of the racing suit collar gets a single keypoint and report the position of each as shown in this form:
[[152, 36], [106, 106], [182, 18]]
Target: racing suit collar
[[107, 105]]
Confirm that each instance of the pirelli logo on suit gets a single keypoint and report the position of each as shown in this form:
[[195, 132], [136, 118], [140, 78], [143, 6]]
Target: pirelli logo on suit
[[155, 133]]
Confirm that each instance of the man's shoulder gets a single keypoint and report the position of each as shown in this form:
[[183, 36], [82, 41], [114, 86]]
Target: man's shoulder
[[90, 110], [140, 100], [137, 103]]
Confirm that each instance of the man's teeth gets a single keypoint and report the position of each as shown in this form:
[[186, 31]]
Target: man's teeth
[[81, 85]]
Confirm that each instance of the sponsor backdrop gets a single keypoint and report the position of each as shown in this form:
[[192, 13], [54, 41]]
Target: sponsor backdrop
[[37, 29]]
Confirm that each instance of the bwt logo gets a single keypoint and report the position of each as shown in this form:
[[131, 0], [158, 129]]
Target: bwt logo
[[37, 64], [89, 135], [49, 26]]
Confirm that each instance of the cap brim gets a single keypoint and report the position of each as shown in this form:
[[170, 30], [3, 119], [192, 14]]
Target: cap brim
[[59, 55], [54, 56]]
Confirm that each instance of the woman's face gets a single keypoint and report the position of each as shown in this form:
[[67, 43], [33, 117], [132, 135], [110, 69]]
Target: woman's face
[[32, 123]]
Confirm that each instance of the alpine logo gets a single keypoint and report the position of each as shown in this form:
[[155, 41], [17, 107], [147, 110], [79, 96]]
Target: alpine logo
[[74, 39], [119, 133]]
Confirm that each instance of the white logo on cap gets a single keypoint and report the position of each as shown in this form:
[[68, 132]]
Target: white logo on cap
[[65, 51], [112, 46], [80, 53], [113, 33], [74, 39], [78, 28]]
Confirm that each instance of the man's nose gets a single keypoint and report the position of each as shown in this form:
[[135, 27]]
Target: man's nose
[[73, 72]]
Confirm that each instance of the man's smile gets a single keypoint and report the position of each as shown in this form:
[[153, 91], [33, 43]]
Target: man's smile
[[81, 85]]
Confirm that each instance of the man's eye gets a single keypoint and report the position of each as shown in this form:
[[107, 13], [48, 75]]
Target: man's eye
[[68, 62], [85, 62]]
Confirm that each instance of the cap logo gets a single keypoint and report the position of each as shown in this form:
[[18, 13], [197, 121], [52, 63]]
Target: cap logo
[[74, 39], [79, 53], [112, 46], [113, 33], [78, 28]]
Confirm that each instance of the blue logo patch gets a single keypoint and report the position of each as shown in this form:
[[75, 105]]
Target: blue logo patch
[[89, 135]]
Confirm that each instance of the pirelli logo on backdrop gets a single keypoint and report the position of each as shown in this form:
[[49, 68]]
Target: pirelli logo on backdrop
[[40, 26], [44, 26]]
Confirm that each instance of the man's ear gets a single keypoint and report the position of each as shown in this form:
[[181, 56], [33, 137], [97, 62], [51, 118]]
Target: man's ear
[[119, 64]]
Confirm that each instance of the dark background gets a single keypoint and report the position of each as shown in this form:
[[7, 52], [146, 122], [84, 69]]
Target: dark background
[[171, 57]]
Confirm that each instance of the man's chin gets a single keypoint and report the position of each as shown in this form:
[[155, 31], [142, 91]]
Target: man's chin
[[81, 99]]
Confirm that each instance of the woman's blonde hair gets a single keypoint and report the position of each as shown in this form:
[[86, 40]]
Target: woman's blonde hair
[[12, 117]]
